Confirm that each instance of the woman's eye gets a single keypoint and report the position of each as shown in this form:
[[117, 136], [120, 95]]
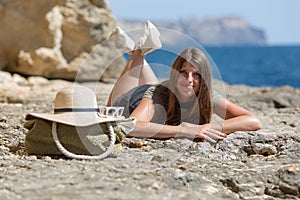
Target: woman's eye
[[186, 74], [183, 72], [196, 75]]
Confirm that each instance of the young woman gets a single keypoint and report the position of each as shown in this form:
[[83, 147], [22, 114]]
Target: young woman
[[184, 105]]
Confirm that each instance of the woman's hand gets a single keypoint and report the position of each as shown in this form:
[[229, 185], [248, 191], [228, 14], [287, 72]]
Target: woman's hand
[[208, 132]]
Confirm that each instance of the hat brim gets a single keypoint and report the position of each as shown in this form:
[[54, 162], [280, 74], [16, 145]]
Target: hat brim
[[78, 119]]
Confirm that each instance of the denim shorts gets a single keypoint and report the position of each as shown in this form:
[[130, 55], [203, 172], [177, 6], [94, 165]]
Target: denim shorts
[[131, 99]]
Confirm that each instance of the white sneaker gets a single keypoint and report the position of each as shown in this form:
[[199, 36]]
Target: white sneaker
[[150, 40], [121, 40]]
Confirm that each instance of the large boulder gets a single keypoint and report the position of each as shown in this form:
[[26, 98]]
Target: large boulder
[[65, 39]]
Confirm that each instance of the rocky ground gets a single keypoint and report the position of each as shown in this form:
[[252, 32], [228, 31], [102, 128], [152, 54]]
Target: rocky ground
[[264, 164]]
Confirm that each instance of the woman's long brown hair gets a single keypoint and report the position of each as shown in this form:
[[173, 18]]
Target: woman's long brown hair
[[202, 109]]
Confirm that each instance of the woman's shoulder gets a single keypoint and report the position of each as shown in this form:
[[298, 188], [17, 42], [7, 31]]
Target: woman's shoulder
[[216, 95], [157, 91], [161, 88]]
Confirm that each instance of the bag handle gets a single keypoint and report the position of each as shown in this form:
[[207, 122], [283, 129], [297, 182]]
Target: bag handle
[[77, 156]]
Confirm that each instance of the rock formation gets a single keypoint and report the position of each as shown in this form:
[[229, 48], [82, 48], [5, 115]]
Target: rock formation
[[58, 38]]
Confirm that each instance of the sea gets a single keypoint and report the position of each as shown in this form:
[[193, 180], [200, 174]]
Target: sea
[[259, 66]]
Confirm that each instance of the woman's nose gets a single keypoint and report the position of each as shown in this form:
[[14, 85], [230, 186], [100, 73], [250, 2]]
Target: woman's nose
[[190, 77]]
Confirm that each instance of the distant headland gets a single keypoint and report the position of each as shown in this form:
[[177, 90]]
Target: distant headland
[[223, 31]]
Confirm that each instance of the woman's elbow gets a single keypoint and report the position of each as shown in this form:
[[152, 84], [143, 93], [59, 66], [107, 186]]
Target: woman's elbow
[[255, 123]]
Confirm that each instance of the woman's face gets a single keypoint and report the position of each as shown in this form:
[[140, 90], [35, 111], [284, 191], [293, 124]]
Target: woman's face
[[187, 84]]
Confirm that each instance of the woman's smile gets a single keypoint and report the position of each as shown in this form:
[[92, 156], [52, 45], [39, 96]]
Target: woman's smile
[[187, 86]]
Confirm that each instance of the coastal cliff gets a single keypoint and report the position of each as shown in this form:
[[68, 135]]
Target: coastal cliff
[[223, 31]]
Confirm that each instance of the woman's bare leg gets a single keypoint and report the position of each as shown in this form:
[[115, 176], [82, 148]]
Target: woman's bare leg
[[136, 72]]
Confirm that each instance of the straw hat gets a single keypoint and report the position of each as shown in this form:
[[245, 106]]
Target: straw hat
[[76, 106]]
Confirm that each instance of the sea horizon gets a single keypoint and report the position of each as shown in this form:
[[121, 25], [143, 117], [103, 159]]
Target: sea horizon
[[252, 65]]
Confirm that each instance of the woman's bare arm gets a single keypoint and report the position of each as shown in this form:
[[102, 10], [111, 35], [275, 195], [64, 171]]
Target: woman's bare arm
[[235, 117], [145, 128]]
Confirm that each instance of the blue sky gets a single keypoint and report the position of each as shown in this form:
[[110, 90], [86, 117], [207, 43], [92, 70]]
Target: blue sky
[[278, 18]]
